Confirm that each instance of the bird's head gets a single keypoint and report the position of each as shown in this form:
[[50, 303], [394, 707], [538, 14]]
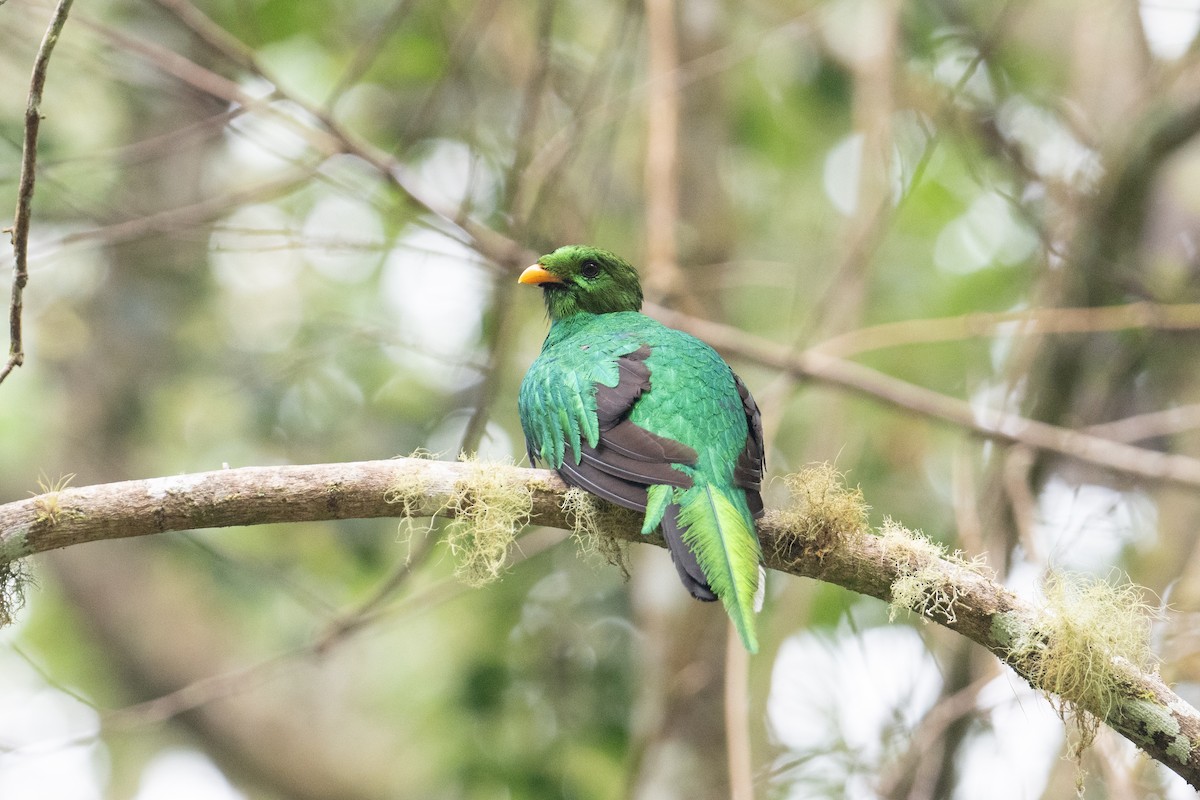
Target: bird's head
[[580, 279]]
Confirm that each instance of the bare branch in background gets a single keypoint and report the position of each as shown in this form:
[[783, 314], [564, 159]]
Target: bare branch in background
[[322, 132], [24, 213], [369, 50], [221, 685], [361, 615], [661, 270], [874, 80], [994, 424], [183, 218], [1027, 322], [1139, 427], [555, 157], [504, 332], [460, 53], [737, 719]]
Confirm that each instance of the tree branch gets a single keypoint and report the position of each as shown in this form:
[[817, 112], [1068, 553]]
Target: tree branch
[[1027, 322], [24, 213], [833, 549], [1003, 426]]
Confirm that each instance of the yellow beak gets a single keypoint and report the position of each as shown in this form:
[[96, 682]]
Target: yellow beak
[[537, 275]]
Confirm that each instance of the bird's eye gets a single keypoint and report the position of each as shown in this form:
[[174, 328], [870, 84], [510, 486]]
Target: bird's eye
[[589, 269]]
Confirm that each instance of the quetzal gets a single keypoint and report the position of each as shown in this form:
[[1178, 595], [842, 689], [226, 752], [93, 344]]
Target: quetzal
[[651, 419]]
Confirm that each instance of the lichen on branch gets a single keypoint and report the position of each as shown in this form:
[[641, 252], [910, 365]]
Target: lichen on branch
[[14, 578], [488, 514], [1088, 633], [823, 513]]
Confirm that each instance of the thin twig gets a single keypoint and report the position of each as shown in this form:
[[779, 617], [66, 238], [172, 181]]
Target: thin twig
[[1028, 322], [872, 107], [461, 51], [1139, 427], [241, 680], [24, 214], [200, 692], [213, 34], [186, 217], [930, 734], [322, 132], [159, 145], [1015, 475], [529, 116], [366, 53], [358, 617], [552, 161]]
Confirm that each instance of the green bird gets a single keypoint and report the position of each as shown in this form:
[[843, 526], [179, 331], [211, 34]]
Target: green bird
[[649, 418]]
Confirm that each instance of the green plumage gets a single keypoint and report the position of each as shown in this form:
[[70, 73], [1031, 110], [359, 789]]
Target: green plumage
[[721, 533], [650, 418]]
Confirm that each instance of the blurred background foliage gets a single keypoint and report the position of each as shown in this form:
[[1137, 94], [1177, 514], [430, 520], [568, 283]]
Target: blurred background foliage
[[264, 233]]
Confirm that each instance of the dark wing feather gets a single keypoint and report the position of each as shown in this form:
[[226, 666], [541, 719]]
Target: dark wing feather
[[626, 494], [627, 458], [748, 471], [613, 403], [638, 470], [638, 444]]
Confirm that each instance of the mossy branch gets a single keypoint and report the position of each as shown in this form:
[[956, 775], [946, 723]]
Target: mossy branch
[[823, 534]]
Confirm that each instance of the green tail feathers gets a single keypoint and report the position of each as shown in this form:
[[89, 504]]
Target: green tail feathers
[[720, 531]]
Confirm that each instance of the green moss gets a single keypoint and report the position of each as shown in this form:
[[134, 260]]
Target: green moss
[[409, 492], [46, 502], [1086, 626], [544, 485], [924, 581], [927, 592], [488, 513], [587, 521], [583, 515], [907, 544], [822, 511], [47, 508]]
